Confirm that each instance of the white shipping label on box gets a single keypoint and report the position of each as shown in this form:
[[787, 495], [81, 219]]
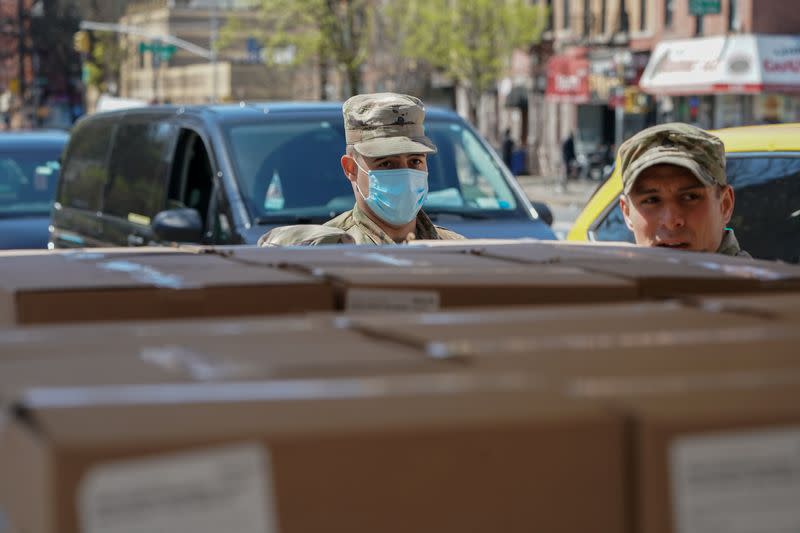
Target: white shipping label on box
[[391, 300], [746, 482], [222, 489]]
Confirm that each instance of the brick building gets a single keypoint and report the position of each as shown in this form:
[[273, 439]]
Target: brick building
[[615, 66], [187, 77]]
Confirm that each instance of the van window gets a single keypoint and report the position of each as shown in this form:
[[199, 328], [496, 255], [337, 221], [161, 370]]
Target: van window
[[138, 171], [192, 177], [85, 173]]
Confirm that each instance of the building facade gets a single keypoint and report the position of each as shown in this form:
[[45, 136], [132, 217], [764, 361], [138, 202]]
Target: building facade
[[155, 73], [613, 67]]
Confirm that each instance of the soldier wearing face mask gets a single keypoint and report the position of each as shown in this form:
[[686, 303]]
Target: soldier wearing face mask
[[386, 163]]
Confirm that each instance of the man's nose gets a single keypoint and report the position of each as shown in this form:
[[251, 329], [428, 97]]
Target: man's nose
[[672, 217]]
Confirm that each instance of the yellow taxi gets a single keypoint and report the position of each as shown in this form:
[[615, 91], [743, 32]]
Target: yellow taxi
[[763, 166]]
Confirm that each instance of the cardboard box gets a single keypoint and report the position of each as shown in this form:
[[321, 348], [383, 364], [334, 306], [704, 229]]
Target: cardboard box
[[433, 288], [559, 328], [775, 306], [406, 278], [659, 272], [109, 286], [716, 461], [391, 455], [202, 351]]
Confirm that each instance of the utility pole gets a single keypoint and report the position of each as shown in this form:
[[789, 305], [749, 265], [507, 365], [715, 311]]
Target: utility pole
[[213, 48]]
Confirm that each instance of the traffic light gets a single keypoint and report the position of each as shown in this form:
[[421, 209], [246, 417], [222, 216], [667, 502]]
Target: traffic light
[[81, 41]]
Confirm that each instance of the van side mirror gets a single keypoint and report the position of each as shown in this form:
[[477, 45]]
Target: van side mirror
[[544, 212], [178, 225]]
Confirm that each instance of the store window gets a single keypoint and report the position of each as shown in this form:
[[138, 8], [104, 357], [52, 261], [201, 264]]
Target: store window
[[669, 12], [566, 13], [643, 15]]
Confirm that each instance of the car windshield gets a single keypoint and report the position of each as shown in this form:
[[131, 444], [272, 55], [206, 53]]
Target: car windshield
[[290, 172], [28, 180]]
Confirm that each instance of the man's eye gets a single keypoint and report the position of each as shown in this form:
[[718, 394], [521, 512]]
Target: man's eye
[[650, 200], [690, 197]]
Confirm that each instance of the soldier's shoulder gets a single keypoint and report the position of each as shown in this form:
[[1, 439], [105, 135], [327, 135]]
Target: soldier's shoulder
[[344, 221], [305, 235], [446, 234]]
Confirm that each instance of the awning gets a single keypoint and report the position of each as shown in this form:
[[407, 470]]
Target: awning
[[735, 64], [568, 79]]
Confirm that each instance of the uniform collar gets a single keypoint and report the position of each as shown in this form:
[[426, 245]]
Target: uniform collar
[[423, 230], [729, 244]]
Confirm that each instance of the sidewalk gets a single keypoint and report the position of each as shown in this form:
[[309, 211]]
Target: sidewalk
[[546, 189], [565, 206]]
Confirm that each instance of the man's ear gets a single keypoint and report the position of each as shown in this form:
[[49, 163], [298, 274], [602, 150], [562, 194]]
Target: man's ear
[[349, 167], [626, 211], [727, 203]]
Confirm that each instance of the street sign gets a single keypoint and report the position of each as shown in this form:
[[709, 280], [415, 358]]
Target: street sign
[[163, 51], [705, 7]]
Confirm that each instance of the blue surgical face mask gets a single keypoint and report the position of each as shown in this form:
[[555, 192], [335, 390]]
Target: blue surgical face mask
[[396, 195]]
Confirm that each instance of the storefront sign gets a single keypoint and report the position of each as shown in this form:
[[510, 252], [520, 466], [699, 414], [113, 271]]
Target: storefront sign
[[568, 79], [735, 64]]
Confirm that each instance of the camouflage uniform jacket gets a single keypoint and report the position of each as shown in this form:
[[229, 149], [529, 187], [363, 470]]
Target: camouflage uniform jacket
[[730, 246], [358, 225]]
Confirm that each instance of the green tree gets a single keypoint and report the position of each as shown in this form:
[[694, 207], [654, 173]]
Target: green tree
[[328, 32], [471, 41]]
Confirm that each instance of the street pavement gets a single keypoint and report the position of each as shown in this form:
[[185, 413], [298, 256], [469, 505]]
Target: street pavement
[[565, 205]]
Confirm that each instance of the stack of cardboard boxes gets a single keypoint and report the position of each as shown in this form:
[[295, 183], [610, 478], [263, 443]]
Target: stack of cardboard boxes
[[639, 391]]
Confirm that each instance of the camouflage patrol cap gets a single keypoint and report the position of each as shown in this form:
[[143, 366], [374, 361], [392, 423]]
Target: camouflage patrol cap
[[678, 144], [383, 124]]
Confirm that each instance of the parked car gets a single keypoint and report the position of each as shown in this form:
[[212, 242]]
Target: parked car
[[763, 166], [227, 174], [29, 168]]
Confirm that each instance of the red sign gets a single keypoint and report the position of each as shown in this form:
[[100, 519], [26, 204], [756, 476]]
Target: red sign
[[568, 79]]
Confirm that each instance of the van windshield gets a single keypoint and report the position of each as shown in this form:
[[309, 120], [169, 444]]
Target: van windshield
[[28, 181], [290, 172]]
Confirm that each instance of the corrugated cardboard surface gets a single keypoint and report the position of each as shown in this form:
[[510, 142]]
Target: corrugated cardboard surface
[[463, 287], [362, 455], [780, 306], [108, 286], [660, 272], [204, 351], [659, 424], [580, 328]]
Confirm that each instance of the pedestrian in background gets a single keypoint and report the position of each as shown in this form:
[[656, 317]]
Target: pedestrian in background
[[508, 147], [568, 160]]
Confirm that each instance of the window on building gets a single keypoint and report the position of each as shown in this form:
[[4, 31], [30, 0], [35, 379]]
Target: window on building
[[603, 8], [550, 25], [565, 22], [642, 15], [587, 16], [669, 11], [698, 25], [733, 15]]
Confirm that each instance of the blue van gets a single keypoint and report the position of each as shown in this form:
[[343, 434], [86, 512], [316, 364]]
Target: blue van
[[226, 174]]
